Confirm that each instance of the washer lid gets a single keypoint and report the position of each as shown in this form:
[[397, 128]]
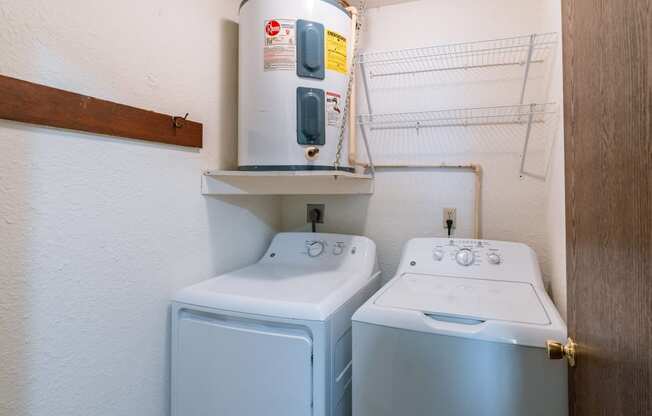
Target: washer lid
[[466, 299]]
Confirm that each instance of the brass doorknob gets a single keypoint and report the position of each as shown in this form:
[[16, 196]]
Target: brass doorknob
[[557, 351]]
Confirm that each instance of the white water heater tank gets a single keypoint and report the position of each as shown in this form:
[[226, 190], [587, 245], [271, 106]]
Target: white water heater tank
[[295, 57]]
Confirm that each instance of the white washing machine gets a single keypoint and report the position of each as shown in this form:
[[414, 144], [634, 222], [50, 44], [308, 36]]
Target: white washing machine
[[460, 331], [273, 338]]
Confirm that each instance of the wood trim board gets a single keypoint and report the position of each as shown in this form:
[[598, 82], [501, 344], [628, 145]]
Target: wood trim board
[[32, 103]]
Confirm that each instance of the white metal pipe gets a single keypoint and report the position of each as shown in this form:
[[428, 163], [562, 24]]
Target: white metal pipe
[[353, 146], [353, 126]]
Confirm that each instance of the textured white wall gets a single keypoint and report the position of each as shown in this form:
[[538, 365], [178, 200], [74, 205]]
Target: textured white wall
[[406, 204], [97, 233], [409, 204], [556, 192]]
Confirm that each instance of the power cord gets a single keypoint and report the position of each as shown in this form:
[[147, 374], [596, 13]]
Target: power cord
[[315, 217]]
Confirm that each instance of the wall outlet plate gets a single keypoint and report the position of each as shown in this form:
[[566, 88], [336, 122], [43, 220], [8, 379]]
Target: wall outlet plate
[[320, 207], [450, 214]]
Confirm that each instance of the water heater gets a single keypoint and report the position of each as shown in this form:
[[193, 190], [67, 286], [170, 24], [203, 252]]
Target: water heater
[[295, 57]]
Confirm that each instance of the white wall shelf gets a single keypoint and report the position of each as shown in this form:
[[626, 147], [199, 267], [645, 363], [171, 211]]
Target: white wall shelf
[[516, 51], [460, 117], [512, 60], [220, 182], [525, 115]]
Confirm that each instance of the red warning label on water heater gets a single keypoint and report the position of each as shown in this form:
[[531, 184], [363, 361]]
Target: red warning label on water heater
[[280, 48]]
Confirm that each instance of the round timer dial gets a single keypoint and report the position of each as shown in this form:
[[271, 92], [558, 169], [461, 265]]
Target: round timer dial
[[315, 249], [465, 257]]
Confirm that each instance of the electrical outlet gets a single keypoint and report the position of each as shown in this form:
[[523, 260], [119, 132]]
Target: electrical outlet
[[319, 207], [450, 214]]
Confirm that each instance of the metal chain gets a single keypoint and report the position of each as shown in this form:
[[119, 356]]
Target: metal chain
[[347, 106]]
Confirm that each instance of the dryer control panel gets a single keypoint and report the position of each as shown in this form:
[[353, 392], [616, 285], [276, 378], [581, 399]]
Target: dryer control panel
[[328, 251], [483, 259], [338, 247]]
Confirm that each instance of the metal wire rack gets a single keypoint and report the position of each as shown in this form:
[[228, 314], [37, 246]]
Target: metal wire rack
[[460, 117], [515, 51], [525, 115], [520, 53]]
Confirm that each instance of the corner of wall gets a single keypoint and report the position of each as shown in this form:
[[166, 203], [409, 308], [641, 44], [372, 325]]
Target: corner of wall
[[556, 193]]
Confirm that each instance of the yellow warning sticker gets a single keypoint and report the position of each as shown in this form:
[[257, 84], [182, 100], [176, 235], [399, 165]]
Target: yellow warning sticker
[[336, 52]]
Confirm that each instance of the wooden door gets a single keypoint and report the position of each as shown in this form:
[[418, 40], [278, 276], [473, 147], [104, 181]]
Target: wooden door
[[608, 118]]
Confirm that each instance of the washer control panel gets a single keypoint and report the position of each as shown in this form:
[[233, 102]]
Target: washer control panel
[[467, 253], [470, 258]]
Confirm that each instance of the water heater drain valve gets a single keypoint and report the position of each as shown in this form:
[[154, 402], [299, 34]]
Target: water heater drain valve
[[312, 153]]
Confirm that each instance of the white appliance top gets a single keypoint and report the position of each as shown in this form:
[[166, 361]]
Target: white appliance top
[[470, 298], [301, 276], [486, 290]]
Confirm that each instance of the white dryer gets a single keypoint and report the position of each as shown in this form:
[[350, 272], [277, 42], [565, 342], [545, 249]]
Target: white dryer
[[460, 331], [273, 338]]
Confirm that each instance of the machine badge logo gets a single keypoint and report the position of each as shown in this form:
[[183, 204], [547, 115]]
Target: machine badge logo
[[273, 28]]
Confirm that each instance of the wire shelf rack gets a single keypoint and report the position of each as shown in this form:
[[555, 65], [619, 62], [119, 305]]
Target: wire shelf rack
[[460, 117], [486, 70], [527, 116], [515, 51]]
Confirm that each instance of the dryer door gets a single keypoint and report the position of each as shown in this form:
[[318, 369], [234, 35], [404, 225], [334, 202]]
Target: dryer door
[[231, 366]]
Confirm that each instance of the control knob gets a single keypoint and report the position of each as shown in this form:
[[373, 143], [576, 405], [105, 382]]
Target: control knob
[[438, 255], [465, 257], [494, 258], [315, 249]]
